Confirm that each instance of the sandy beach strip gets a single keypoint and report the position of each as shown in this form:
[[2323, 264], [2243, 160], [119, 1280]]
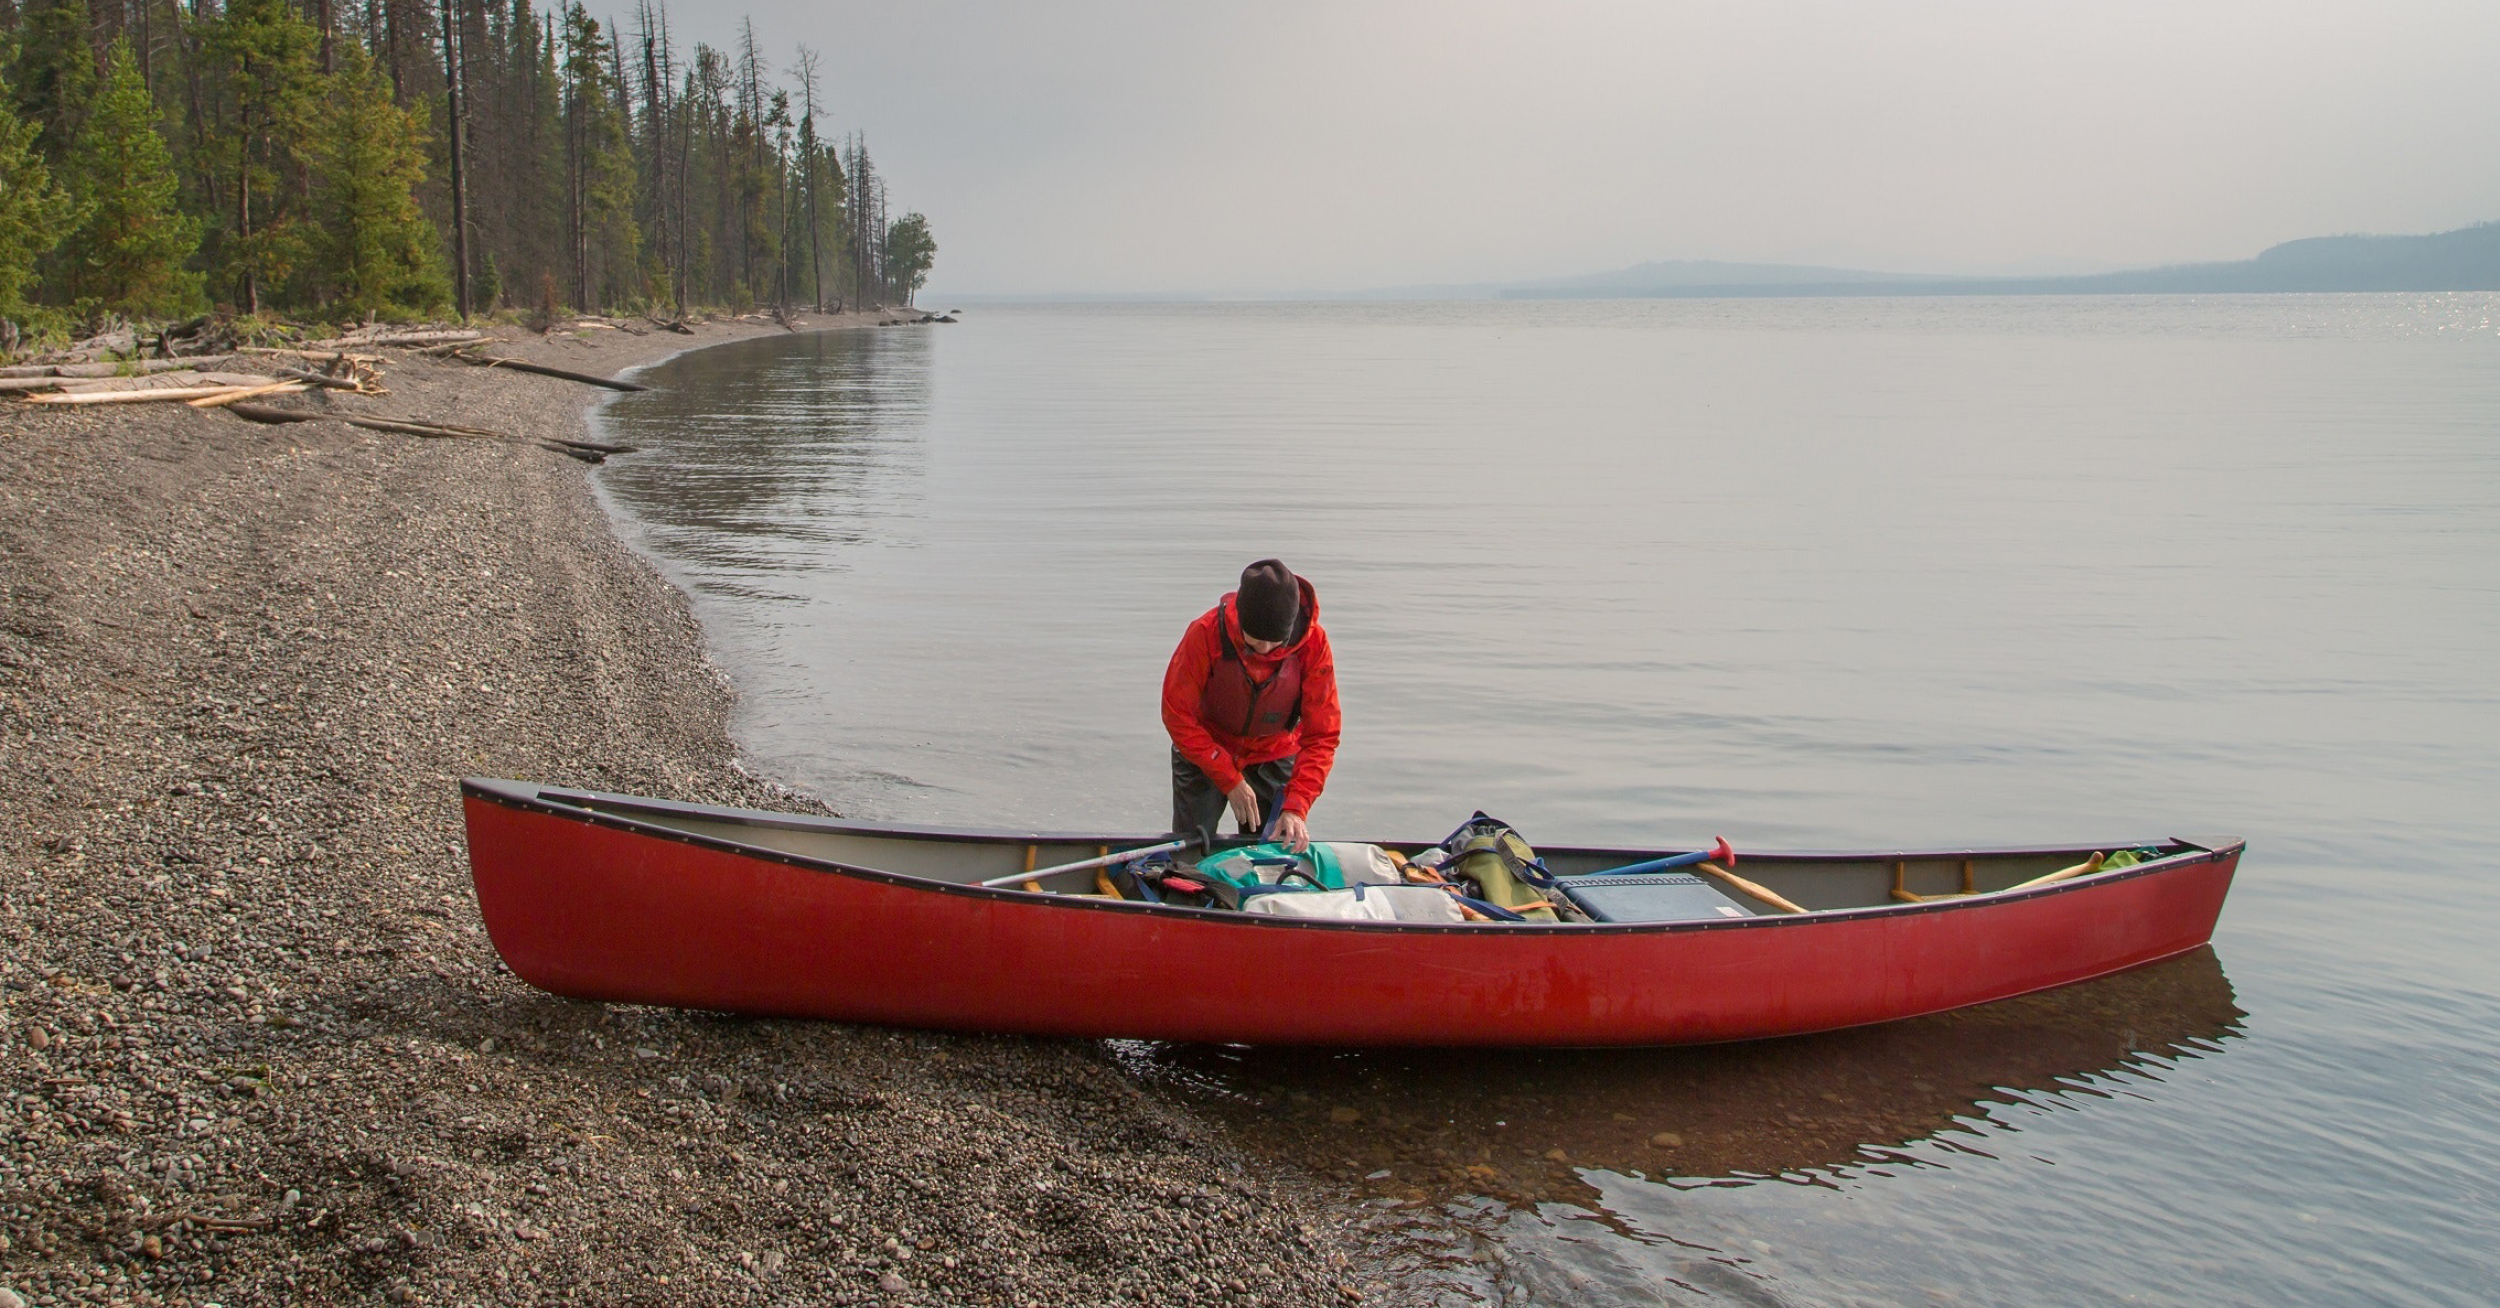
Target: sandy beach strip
[[254, 1045]]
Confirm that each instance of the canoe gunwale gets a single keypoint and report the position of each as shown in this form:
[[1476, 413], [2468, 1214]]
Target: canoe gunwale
[[552, 801], [571, 798]]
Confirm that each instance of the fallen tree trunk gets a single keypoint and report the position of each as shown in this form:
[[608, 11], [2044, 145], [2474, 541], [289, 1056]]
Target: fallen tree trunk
[[595, 447], [325, 356], [396, 339], [325, 380], [177, 380], [587, 379], [587, 451], [134, 397], [129, 367], [264, 413], [248, 392]]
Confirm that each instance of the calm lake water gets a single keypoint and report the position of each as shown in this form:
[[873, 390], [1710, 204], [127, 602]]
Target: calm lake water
[[1809, 574]]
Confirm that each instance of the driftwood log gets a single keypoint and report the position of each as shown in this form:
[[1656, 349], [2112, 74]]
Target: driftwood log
[[392, 339], [97, 371], [586, 451], [328, 382], [517, 365], [161, 380], [596, 447], [150, 396], [247, 393], [322, 356], [183, 374]]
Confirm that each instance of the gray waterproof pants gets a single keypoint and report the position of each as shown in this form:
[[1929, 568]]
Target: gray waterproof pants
[[1197, 806]]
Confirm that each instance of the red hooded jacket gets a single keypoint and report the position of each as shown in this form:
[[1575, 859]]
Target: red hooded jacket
[[1223, 749]]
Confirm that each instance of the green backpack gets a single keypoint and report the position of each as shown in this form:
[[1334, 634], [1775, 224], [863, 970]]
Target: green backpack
[[1487, 852]]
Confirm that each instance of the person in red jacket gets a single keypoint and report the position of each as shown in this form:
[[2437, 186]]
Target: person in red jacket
[[1250, 701]]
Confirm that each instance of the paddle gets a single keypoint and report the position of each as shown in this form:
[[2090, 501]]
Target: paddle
[[1758, 892], [2084, 868], [1705, 861], [1722, 854], [1107, 860]]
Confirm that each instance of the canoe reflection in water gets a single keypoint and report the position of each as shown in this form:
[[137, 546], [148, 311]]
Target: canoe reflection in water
[[1519, 1127]]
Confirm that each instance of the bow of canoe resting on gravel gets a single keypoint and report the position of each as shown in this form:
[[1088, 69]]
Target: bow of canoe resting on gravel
[[616, 898]]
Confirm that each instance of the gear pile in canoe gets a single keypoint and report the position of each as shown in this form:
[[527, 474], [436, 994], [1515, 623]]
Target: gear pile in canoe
[[1479, 939]]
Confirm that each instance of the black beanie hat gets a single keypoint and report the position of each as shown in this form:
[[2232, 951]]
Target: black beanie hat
[[1269, 600]]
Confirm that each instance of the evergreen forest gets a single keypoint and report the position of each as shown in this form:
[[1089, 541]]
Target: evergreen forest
[[394, 159]]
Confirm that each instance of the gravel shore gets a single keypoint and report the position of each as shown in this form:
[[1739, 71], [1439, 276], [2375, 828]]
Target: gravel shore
[[254, 1045]]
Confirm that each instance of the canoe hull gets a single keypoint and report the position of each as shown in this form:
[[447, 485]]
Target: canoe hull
[[601, 910]]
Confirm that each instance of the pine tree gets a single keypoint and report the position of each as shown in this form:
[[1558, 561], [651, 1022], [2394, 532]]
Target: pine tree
[[654, 145], [264, 49], [910, 251], [599, 165], [55, 73], [810, 150], [32, 208], [866, 227], [517, 198], [376, 249], [132, 240]]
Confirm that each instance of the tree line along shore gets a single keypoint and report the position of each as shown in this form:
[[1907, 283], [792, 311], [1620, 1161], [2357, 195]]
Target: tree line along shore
[[403, 158]]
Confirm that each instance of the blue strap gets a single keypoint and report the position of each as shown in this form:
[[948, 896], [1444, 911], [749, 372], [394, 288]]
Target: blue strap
[[1480, 818], [1491, 910]]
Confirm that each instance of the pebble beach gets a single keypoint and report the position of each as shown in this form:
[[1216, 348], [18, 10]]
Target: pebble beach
[[255, 1047]]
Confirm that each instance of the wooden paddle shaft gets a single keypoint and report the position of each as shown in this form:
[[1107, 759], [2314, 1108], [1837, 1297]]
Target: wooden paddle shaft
[[1748, 887], [2086, 867], [1081, 864]]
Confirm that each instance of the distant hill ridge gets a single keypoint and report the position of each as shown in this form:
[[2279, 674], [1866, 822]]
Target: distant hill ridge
[[2467, 259]]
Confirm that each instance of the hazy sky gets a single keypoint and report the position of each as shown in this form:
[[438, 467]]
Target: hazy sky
[[1102, 146]]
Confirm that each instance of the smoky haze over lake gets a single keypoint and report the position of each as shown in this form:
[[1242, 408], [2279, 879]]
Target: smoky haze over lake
[[1808, 573], [1120, 146]]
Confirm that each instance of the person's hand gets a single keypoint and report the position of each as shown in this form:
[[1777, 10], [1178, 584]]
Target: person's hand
[[1293, 833], [1245, 805]]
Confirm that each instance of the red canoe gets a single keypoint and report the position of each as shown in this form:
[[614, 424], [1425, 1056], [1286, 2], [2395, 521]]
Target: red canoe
[[609, 897]]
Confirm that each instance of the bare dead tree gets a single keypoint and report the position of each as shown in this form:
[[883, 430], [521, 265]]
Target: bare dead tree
[[809, 148]]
